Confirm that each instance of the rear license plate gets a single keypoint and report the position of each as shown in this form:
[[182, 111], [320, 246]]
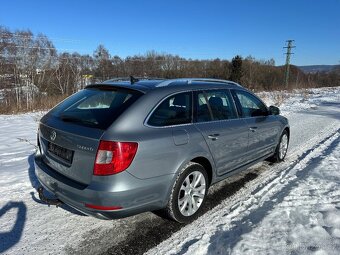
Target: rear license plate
[[60, 152]]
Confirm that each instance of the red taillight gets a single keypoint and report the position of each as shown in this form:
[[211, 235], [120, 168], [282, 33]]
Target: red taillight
[[114, 157]]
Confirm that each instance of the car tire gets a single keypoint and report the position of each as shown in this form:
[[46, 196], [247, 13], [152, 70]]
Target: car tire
[[281, 148], [188, 194]]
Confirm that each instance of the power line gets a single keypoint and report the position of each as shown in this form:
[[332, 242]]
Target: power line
[[288, 53]]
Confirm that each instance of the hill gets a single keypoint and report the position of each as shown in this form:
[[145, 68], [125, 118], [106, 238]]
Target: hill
[[318, 68]]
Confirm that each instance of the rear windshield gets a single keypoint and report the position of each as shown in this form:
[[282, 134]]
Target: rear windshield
[[96, 108]]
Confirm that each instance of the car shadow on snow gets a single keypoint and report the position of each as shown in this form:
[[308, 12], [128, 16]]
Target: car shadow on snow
[[13, 236], [35, 184], [152, 231]]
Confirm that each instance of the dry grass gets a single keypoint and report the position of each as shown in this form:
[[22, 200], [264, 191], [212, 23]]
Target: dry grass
[[42, 103], [281, 97]]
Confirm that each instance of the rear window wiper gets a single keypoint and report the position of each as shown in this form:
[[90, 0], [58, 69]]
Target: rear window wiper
[[69, 118]]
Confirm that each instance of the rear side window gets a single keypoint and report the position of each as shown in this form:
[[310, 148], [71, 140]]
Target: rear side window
[[214, 105], [94, 107], [174, 110]]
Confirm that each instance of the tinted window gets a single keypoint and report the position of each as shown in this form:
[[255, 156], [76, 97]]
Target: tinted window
[[251, 106], [96, 108], [214, 105], [174, 110]]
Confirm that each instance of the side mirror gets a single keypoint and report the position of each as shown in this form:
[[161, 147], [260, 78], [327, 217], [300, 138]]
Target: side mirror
[[273, 110]]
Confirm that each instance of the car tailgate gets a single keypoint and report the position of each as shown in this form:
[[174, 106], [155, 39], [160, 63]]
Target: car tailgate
[[68, 152]]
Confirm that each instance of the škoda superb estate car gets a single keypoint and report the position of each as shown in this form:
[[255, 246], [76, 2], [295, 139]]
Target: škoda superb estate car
[[124, 147]]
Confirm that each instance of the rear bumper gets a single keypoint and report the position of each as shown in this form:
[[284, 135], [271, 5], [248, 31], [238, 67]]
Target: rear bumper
[[124, 190]]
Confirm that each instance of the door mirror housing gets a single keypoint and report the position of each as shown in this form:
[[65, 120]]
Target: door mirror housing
[[273, 110]]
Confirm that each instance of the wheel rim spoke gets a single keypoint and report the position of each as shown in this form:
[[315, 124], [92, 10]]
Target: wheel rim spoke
[[194, 204], [200, 188], [189, 211], [198, 179], [187, 181], [185, 189], [197, 194], [184, 204]]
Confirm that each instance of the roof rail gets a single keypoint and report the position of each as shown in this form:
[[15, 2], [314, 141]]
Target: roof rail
[[207, 80], [190, 80], [134, 78], [215, 80], [168, 82]]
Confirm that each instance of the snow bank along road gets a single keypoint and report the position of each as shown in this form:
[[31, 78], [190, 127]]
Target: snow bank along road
[[289, 207]]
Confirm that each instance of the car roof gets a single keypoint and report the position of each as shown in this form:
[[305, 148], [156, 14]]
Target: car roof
[[145, 85]]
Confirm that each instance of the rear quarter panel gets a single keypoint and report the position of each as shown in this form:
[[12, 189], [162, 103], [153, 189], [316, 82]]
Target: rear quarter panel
[[159, 155]]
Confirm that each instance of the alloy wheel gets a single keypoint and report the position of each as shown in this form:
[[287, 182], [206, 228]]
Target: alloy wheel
[[191, 194], [283, 146]]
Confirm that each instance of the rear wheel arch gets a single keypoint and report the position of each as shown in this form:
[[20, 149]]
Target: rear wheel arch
[[206, 165], [288, 132]]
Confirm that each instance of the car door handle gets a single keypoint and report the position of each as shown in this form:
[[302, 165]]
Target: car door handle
[[213, 137], [252, 129]]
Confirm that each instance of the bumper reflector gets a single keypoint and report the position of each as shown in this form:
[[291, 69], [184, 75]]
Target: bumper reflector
[[104, 208]]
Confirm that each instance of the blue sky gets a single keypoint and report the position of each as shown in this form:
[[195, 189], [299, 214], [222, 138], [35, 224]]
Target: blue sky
[[192, 29]]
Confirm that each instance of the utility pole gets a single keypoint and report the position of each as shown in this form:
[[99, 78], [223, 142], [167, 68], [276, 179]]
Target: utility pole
[[288, 53]]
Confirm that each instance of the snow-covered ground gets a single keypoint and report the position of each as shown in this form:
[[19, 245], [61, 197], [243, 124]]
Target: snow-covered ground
[[292, 207], [297, 100]]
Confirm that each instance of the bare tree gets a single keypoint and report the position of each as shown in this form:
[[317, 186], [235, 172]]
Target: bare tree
[[103, 62]]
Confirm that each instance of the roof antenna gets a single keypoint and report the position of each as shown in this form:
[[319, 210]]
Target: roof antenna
[[133, 79]]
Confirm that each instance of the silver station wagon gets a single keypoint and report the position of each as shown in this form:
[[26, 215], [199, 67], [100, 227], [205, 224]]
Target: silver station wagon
[[128, 146]]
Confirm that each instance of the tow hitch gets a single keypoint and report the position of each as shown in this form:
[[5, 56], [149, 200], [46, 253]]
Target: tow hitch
[[48, 201]]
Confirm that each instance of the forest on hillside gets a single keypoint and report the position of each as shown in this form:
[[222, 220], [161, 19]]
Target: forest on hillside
[[34, 75]]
